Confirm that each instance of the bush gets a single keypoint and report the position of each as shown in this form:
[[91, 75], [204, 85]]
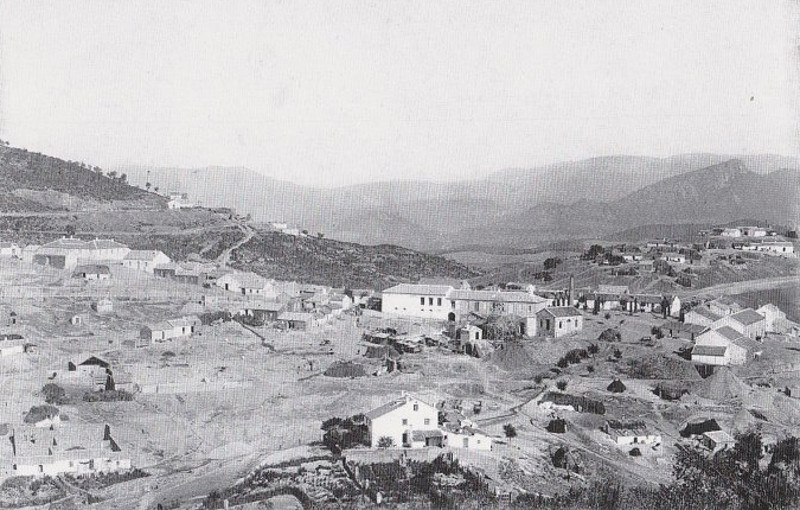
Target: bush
[[510, 430], [610, 335], [385, 442], [39, 413], [561, 385], [54, 394], [593, 349], [108, 396], [607, 315]]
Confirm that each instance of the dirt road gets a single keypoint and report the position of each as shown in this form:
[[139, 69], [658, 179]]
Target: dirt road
[[744, 286]]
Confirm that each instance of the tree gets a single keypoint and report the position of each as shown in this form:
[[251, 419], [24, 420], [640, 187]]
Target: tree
[[54, 394], [561, 385], [552, 263], [112, 174], [70, 229], [155, 189], [320, 235], [147, 186], [385, 442], [123, 178], [510, 430]]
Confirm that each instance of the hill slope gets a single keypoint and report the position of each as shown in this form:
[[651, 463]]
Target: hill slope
[[31, 182]]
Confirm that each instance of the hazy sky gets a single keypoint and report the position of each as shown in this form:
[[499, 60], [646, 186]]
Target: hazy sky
[[338, 92]]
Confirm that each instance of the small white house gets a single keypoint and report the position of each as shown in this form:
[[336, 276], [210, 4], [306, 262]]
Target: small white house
[[145, 260], [558, 321], [408, 422], [631, 433]]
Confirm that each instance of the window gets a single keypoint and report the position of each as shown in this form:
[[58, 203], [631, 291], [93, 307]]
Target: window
[[438, 301], [405, 421], [477, 306], [430, 301], [422, 301], [416, 407], [427, 421], [453, 305], [560, 324]]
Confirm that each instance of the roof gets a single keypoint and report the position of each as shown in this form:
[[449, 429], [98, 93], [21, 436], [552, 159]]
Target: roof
[[729, 333], [612, 289], [719, 436], [709, 350], [411, 288], [392, 406], [8, 244], [247, 280], [143, 254], [705, 312], [169, 265], [269, 306], [648, 298], [562, 311], [490, 295], [451, 282], [72, 243], [92, 269], [747, 317], [296, 316]]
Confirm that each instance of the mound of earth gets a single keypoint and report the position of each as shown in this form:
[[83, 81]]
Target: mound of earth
[[513, 357], [721, 386], [660, 366], [463, 390], [346, 369]]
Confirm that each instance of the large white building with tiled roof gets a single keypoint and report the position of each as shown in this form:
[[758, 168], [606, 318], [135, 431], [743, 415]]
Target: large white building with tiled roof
[[68, 252], [446, 303], [404, 421]]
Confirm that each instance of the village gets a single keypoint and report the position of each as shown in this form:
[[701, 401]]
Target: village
[[126, 367]]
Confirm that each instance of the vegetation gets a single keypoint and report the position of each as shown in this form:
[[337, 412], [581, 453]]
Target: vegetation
[[610, 335], [385, 442], [340, 434], [509, 430], [43, 412], [108, 396], [55, 394]]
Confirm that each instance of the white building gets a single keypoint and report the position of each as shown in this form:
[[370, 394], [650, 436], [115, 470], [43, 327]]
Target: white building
[[68, 252], [774, 318], [49, 451], [8, 249], [178, 200], [731, 232], [558, 321], [145, 260], [423, 301], [753, 231], [776, 248], [247, 284], [720, 347], [701, 315], [169, 329], [631, 433], [405, 421]]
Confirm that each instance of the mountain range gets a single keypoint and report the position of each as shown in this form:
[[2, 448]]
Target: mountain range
[[513, 208]]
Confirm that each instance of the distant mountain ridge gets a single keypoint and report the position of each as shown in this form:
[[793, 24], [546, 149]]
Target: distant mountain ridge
[[513, 208]]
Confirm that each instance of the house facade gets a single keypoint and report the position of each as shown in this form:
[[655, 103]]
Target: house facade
[[400, 419], [558, 321], [719, 347], [68, 252], [169, 329], [631, 433], [8, 250], [145, 260], [92, 272]]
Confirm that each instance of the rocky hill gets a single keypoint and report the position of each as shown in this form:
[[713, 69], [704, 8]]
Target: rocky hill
[[336, 263], [34, 182]]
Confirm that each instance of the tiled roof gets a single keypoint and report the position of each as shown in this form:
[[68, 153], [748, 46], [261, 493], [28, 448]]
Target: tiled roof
[[92, 269], [296, 316], [709, 350], [562, 311], [729, 333], [705, 312], [142, 254], [410, 288], [747, 317], [391, 406], [422, 435], [489, 295]]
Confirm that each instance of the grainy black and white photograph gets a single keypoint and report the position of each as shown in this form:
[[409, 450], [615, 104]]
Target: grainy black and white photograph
[[414, 255]]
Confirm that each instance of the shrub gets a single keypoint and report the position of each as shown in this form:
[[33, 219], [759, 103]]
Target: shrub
[[39, 413], [607, 315], [561, 385], [610, 335], [108, 396], [510, 430], [385, 442], [54, 394], [593, 349]]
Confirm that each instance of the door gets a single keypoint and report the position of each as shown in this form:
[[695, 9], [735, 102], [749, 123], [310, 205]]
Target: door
[[466, 442]]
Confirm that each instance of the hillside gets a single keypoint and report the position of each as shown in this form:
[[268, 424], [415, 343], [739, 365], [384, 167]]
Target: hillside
[[33, 182], [337, 263]]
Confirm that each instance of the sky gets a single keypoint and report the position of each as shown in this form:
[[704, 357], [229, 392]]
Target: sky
[[332, 93]]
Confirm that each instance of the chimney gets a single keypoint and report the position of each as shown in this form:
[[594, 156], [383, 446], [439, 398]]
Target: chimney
[[571, 294]]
